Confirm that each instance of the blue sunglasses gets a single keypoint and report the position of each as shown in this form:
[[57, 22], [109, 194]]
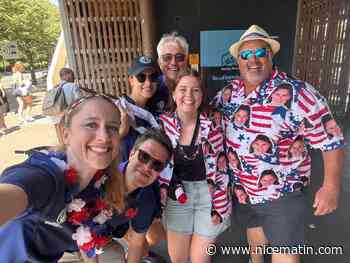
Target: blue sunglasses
[[249, 53]]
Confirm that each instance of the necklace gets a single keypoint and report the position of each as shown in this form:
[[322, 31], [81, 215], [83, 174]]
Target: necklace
[[189, 156]]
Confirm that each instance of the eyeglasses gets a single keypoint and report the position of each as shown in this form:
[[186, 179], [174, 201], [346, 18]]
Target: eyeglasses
[[142, 77], [179, 57], [249, 53], [145, 158]]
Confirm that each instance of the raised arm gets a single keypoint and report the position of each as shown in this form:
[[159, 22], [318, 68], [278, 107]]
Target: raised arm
[[13, 201], [326, 198]]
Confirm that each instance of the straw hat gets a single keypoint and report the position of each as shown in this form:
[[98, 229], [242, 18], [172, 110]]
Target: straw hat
[[255, 32]]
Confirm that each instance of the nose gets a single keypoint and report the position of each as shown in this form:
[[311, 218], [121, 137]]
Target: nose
[[102, 134], [173, 61], [147, 82]]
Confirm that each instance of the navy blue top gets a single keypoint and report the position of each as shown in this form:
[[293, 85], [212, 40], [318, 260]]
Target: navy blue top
[[145, 201], [159, 101], [37, 235]]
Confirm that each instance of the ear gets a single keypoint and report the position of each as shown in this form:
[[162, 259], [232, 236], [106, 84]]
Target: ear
[[64, 134], [130, 79]]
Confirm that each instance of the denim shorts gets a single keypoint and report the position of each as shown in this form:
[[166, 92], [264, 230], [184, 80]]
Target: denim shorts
[[193, 217], [283, 220]]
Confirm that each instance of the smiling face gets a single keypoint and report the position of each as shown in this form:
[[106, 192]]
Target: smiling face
[[92, 139], [188, 95], [267, 180], [143, 90], [255, 70], [226, 95], [333, 128], [260, 147], [139, 174], [280, 97], [241, 117], [173, 67], [297, 148], [232, 158], [222, 163]]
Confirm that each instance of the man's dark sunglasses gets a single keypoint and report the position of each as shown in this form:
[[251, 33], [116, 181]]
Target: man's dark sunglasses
[[145, 158], [179, 57], [142, 77], [249, 53]]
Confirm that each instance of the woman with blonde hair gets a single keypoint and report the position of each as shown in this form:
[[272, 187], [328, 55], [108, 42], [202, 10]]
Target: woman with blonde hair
[[59, 201], [22, 91]]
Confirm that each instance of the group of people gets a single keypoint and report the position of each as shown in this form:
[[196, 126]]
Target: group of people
[[162, 162]]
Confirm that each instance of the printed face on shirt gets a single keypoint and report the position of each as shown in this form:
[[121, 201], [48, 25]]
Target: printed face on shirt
[[241, 195], [92, 140], [171, 67], [280, 97], [233, 160], [332, 128], [140, 174], [188, 95], [217, 118], [207, 148], [241, 117], [143, 90], [261, 146], [297, 149], [267, 180], [222, 163], [226, 95], [255, 70]]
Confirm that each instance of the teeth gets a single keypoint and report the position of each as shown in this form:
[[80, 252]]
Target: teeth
[[99, 149]]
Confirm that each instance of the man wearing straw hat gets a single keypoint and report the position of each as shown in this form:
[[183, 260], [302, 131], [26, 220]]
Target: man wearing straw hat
[[284, 110]]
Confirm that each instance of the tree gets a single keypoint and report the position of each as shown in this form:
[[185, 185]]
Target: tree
[[34, 25]]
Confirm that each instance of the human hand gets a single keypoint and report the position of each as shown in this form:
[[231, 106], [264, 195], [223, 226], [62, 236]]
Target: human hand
[[163, 196], [124, 122], [326, 200]]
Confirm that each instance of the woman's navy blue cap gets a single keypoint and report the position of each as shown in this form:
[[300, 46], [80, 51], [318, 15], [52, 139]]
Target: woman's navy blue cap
[[142, 63]]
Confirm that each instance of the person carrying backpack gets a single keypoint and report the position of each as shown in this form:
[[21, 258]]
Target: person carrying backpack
[[71, 92]]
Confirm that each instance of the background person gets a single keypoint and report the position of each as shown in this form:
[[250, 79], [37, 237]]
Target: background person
[[3, 101], [22, 91], [71, 93]]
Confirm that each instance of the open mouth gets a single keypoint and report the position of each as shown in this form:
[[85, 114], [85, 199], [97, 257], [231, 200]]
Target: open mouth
[[100, 149]]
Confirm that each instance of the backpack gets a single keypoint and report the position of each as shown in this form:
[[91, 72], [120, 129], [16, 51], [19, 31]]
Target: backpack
[[54, 102]]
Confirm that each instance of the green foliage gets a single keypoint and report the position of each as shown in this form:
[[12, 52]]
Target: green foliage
[[34, 25]]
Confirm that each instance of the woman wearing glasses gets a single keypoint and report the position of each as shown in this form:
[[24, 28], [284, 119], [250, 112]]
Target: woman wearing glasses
[[143, 75], [194, 225], [59, 201]]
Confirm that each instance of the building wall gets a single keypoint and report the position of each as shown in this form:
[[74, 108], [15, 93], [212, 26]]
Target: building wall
[[189, 17]]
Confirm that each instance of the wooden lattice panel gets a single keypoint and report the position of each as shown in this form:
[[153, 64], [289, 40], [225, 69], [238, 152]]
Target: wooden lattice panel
[[323, 49], [106, 36]]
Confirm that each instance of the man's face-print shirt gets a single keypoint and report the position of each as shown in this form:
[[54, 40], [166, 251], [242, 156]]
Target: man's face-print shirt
[[268, 134]]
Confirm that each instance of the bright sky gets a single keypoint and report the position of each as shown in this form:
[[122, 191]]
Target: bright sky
[[54, 2]]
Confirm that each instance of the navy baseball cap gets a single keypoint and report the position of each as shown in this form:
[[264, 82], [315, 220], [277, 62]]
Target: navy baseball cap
[[139, 64]]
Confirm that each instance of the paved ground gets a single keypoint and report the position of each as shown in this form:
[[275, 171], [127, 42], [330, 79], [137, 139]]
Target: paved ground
[[330, 230]]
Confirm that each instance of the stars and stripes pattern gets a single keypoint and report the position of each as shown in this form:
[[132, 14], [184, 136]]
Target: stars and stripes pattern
[[214, 136], [299, 118]]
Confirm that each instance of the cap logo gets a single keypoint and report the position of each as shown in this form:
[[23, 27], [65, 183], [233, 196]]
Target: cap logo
[[145, 60]]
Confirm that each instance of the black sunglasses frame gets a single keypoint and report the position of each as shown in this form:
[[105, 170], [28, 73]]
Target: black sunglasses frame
[[145, 158], [141, 77], [179, 57]]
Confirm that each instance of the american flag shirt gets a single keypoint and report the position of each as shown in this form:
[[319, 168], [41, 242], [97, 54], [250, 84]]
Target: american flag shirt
[[209, 135], [285, 127]]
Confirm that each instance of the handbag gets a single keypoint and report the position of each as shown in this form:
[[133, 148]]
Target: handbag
[[54, 102]]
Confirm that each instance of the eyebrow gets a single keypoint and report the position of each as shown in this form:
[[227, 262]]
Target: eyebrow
[[98, 119]]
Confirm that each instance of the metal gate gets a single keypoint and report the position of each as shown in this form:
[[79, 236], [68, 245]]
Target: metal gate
[[322, 50]]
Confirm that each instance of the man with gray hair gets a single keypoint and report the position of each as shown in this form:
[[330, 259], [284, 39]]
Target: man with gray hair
[[284, 110], [172, 52]]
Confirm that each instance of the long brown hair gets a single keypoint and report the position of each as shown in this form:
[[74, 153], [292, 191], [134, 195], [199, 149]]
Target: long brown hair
[[115, 185], [204, 107]]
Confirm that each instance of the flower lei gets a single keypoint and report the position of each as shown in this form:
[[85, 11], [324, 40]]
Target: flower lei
[[89, 216]]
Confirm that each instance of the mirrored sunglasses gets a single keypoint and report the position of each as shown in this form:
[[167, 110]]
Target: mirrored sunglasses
[[145, 158], [142, 77], [179, 57], [249, 53]]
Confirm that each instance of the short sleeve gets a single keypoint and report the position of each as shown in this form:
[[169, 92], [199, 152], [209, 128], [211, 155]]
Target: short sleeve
[[321, 130], [148, 209], [37, 184]]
